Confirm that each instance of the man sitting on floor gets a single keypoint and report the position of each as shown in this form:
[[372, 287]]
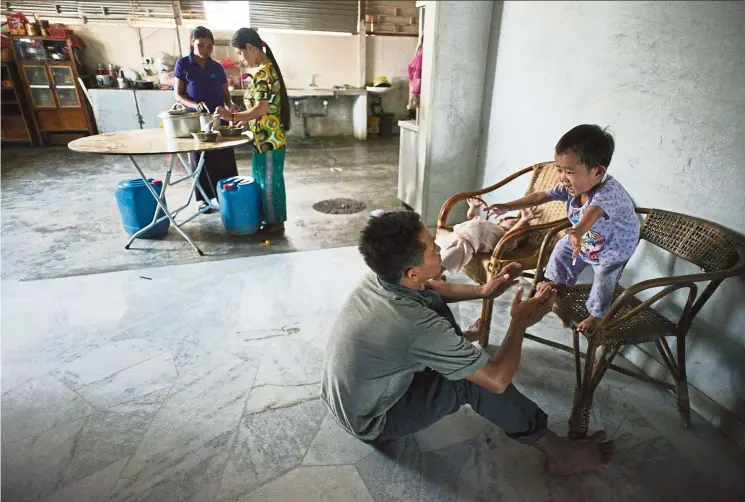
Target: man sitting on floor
[[397, 362]]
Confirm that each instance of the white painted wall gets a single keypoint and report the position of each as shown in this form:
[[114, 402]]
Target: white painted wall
[[332, 59], [389, 57], [669, 79]]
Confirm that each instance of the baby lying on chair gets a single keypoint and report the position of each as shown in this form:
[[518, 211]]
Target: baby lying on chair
[[479, 235]]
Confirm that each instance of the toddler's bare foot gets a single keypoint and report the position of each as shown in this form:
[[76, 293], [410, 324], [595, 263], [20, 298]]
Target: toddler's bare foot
[[565, 457], [588, 325], [473, 332]]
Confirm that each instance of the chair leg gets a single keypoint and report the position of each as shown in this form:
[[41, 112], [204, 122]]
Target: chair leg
[[588, 379], [681, 385], [486, 312]]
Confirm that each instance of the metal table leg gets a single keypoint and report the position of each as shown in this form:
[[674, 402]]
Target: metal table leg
[[171, 215]]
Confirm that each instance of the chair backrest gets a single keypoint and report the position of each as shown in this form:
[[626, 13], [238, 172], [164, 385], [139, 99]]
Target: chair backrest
[[698, 241], [545, 176]]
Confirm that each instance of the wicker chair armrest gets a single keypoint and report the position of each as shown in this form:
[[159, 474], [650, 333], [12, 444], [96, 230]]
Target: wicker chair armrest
[[737, 269], [544, 253], [453, 200]]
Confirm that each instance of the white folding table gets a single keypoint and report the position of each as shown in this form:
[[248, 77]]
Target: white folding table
[[155, 142]]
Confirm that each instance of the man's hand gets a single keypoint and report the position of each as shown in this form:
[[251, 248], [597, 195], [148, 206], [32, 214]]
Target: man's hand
[[496, 210], [527, 313], [574, 241], [496, 286], [530, 213]]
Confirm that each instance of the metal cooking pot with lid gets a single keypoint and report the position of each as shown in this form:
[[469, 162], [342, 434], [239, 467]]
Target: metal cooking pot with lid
[[179, 122]]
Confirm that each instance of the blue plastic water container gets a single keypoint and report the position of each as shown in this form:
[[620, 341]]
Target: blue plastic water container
[[137, 207], [240, 204]]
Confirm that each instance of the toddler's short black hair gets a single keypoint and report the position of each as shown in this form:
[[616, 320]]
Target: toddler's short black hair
[[592, 145]]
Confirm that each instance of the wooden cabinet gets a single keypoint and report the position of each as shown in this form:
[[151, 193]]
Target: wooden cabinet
[[16, 125], [57, 102]]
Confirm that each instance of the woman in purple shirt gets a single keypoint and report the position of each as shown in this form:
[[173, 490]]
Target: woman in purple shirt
[[200, 83]]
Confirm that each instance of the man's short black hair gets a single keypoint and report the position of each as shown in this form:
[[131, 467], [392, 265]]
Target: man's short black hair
[[390, 244], [592, 145]]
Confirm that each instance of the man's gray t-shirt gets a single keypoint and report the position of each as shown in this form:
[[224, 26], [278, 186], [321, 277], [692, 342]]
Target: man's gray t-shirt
[[383, 335]]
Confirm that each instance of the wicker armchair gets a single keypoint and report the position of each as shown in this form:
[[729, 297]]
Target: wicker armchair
[[483, 266], [718, 252]]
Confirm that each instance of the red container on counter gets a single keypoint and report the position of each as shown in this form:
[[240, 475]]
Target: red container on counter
[[58, 30]]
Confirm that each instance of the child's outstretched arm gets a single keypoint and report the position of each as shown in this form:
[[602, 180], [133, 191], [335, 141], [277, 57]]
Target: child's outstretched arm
[[591, 215], [474, 204], [533, 199]]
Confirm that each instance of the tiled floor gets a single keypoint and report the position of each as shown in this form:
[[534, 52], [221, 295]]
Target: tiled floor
[[79, 230], [200, 382]]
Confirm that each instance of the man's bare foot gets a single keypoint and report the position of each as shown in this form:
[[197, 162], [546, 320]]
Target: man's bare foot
[[473, 332], [565, 457]]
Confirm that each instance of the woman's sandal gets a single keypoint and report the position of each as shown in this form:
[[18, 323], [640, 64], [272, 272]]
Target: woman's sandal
[[273, 228]]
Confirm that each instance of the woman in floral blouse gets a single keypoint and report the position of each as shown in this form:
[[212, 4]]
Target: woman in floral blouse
[[268, 117]]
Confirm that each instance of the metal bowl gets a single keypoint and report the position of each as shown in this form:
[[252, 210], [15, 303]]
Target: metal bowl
[[205, 137], [231, 132]]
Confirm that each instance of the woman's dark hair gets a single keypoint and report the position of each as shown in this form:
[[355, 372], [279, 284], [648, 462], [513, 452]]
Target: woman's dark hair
[[201, 32], [250, 36], [390, 244]]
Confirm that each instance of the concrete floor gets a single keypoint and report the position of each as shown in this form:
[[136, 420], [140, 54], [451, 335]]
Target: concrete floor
[[59, 217], [201, 385]]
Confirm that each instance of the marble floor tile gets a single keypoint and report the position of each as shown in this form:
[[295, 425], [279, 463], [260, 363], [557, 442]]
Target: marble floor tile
[[466, 471], [703, 446], [38, 405], [334, 446], [460, 426], [151, 375], [106, 361], [523, 467], [392, 472], [269, 444], [195, 426], [656, 468], [194, 478], [270, 397], [288, 361], [32, 468], [314, 484], [95, 487], [109, 435]]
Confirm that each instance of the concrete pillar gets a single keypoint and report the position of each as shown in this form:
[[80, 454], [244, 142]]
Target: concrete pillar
[[456, 42]]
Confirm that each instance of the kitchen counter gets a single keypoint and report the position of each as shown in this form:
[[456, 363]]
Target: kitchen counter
[[312, 92]]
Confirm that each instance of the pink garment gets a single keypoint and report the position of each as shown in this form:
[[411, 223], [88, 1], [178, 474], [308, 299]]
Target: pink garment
[[415, 73], [467, 239]]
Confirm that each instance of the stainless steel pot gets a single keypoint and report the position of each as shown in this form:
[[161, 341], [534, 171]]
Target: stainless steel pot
[[179, 122]]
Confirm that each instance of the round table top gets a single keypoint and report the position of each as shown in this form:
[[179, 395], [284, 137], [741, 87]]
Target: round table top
[[148, 142]]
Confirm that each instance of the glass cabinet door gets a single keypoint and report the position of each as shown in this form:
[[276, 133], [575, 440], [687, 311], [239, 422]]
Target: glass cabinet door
[[62, 75], [42, 95], [68, 96], [36, 75], [64, 85]]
